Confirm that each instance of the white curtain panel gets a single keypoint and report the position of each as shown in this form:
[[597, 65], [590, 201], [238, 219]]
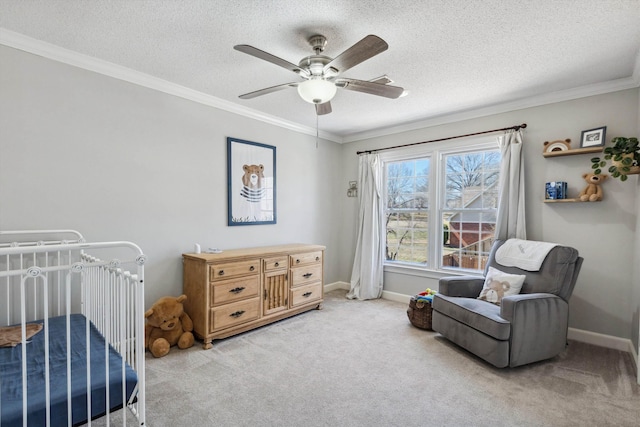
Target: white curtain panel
[[367, 273], [510, 222]]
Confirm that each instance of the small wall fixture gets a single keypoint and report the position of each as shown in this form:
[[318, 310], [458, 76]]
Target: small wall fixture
[[352, 191]]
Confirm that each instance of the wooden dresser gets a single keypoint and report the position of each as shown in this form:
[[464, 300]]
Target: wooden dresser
[[242, 289]]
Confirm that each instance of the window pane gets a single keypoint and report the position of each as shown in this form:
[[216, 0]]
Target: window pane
[[490, 193], [408, 237], [407, 210], [470, 237], [469, 212]]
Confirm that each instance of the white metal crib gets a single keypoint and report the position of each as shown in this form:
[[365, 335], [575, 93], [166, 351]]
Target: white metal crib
[[87, 361]]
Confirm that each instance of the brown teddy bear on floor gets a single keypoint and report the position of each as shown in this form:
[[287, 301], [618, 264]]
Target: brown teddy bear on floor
[[593, 191], [167, 325]]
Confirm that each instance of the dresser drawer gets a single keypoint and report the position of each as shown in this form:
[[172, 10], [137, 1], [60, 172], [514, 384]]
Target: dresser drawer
[[234, 269], [306, 258], [230, 290], [235, 313], [308, 274], [304, 294], [277, 263]]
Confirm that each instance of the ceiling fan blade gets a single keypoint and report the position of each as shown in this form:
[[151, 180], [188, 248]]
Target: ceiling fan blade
[[260, 54], [267, 90], [384, 80], [366, 48], [385, 90], [322, 109]]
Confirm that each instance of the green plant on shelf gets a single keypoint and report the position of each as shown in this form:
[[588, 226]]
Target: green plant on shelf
[[624, 155]]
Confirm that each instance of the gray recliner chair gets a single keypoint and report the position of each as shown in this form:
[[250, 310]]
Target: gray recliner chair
[[525, 328]]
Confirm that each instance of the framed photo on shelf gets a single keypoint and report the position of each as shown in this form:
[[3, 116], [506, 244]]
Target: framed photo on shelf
[[251, 182], [593, 137]]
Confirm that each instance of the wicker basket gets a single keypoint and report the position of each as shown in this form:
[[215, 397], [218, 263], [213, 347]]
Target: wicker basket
[[419, 313]]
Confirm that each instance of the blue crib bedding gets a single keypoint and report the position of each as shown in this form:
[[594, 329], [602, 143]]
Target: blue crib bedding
[[11, 376]]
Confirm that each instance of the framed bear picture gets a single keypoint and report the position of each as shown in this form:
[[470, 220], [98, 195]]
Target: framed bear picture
[[251, 182]]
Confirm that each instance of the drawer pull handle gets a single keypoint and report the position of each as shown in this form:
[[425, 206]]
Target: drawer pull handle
[[252, 268], [306, 276], [317, 258], [237, 290], [307, 294], [237, 313], [297, 261], [277, 264], [221, 273]]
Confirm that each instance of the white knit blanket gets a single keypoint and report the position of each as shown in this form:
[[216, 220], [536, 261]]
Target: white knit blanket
[[524, 254]]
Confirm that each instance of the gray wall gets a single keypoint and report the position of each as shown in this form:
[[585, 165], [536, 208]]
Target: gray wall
[[635, 320], [604, 233], [122, 162], [118, 161]]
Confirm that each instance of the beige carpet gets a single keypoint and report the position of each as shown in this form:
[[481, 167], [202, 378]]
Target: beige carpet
[[361, 363]]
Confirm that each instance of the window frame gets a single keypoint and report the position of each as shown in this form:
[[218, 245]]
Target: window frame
[[436, 152]]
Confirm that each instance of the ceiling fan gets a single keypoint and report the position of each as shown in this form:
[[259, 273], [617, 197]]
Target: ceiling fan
[[320, 73]]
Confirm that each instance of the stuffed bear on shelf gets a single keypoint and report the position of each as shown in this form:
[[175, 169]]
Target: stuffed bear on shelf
[[592, 192]]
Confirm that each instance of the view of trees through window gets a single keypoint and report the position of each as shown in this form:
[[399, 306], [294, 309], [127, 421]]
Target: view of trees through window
[[408, 210], [465, 218]]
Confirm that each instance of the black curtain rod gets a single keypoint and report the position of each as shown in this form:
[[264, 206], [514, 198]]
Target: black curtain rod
[[516, 127]]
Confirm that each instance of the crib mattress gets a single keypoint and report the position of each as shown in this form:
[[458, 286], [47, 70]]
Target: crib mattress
[[11, 376]]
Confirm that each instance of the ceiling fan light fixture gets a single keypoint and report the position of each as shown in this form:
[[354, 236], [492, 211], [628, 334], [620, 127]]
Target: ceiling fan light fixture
[[317, 91]]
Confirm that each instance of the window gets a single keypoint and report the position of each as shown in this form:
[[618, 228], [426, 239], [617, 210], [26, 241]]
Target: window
[[441, 206]]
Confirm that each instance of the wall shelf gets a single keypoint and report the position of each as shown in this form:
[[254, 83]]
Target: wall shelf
[[567, 201], [573, 152]]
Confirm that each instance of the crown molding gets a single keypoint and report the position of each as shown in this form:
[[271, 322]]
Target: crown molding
[[69, 57], [534, 101], [57, 53]]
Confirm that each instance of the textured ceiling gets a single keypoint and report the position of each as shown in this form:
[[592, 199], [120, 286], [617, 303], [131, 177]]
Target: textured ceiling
[[451, 56]]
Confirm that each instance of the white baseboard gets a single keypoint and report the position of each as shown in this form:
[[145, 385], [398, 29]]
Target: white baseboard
[[394, 296], [391, 296], [588, 337], [634, 354], [336, 285], [607, 341], [601, 340]]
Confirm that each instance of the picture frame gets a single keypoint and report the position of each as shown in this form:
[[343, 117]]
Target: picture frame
[[251, 183], [593, 137], [352, 191]]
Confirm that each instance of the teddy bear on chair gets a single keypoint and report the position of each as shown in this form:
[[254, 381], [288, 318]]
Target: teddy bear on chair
[[494, 292], [167, 325]]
